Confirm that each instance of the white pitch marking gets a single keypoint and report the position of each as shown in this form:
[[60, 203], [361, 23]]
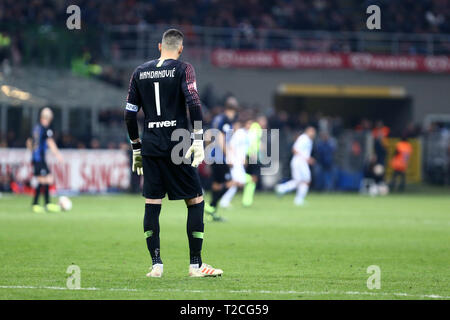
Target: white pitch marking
[[292, 292], [64, 288]]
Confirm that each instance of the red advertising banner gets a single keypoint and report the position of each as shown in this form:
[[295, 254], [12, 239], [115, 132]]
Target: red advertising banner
[[301, 60], [81, 170]]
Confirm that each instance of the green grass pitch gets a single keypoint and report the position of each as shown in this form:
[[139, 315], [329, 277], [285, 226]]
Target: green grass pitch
[[270, 251]]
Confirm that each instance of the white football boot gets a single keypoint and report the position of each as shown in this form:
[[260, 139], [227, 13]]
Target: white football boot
[[156, 271], [204, 271]]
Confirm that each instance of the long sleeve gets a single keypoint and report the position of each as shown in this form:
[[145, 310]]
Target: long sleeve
[[131, 109], [189, 87]]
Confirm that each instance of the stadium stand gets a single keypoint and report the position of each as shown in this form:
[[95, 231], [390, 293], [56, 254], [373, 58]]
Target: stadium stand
[[129, 30], [431, 16]]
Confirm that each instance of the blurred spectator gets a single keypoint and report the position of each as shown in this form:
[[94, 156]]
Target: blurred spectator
[[5, 182], [67, 141], [3, 142], [95, 144], [380, 149], [399, 164], [84, 65], [325, 166], [364, 125], [374, 171], [381, 130], [5, 44], [373, 181], [412, 130]]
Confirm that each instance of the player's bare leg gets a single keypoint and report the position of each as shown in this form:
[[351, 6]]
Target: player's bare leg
[[195, 229], [151, 231]]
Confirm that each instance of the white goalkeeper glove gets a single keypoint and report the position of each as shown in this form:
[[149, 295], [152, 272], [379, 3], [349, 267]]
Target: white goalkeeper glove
[[137, 159], [197, 149]]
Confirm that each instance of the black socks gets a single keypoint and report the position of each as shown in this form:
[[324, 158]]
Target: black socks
[[46, 194], [36, 194], [195, 228], [216, 195], [151, 230]]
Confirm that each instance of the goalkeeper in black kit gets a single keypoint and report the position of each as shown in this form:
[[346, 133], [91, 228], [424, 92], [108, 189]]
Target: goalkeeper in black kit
[[162, 88]]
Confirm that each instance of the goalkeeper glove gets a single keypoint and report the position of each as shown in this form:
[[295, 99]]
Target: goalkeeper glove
[[137, 158], [197, 149]]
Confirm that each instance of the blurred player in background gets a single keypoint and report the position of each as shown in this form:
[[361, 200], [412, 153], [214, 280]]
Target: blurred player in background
[[399, 163], [301, 174], [41, 140], [238, 149], [220, 170], [162, 88], [253, 164]]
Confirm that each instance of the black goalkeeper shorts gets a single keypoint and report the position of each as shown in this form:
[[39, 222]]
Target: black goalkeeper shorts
[[40, 169], [162, 176]]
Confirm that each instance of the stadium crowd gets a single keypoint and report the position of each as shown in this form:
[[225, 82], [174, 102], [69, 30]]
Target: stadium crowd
[[26, 25], [432, 16]]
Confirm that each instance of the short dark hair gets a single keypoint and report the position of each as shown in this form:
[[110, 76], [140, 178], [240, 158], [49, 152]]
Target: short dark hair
[[172, 38]]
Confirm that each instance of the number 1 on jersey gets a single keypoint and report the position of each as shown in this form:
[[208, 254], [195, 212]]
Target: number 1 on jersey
[[157, 101]]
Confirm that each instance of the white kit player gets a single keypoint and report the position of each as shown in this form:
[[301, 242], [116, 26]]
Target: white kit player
[[301, 174], [237, 152]]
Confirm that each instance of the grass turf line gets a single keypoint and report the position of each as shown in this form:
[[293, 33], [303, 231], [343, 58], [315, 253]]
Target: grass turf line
[[270, 251]]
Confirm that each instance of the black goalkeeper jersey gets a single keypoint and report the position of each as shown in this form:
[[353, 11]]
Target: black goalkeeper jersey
[[162, 89]]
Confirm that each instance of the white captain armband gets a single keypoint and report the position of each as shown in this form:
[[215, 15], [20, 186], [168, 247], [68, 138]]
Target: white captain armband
[[132, 107]]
